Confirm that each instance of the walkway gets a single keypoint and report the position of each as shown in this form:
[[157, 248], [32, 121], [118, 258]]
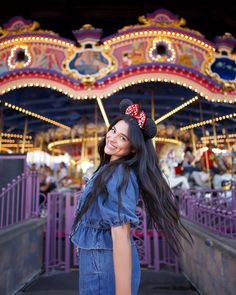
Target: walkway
[[152, 283]]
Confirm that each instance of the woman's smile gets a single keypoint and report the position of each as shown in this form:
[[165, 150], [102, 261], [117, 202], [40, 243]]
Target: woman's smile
[[110, 145], [117, 142]]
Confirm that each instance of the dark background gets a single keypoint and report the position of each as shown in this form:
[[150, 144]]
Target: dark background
[[211, 18]]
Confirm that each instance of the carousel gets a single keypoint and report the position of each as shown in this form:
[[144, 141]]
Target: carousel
[[58, 95]]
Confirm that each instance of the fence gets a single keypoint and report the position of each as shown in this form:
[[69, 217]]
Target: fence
[[19, 200], [219, 198], [213, 209], [60, 252]]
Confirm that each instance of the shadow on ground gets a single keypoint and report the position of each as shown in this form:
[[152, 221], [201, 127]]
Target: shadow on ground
[[152, 283]]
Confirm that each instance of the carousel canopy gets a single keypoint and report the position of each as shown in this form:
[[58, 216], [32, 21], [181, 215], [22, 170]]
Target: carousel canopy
[[71, 112], [54, 66]]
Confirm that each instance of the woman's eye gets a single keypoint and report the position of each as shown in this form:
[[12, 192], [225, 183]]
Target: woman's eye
[[123, 138]]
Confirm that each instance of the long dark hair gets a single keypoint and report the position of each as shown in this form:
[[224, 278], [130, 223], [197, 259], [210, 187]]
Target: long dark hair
[[158, 198]]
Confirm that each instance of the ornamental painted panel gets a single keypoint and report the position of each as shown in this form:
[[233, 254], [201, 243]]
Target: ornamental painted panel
[[131, 53], [222, 64], [81, 63], [87, 62], [95, 62], [4, 55], [190, 57], [90, 59], [225, 68], [47, 57]]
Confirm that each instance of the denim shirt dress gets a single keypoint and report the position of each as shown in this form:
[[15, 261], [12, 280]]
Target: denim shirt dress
[[93, 235]]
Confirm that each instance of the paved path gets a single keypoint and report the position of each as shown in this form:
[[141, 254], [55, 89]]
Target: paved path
[[152, 283]]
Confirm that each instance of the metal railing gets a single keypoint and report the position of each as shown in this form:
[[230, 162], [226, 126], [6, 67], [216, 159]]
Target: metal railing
[[60, 252], [213, 209], [19, 201]]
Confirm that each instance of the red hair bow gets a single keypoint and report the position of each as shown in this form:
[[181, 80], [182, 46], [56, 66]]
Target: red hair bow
[[133, 111]]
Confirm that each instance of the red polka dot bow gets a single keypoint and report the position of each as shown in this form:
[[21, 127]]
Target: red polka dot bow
[[133, 110]]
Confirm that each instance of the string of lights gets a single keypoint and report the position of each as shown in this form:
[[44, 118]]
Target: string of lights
[[210, 121], [152, 33], [37, 39], [14, 135], [29, 113], [176, 109], [206, 138], [17, 145]]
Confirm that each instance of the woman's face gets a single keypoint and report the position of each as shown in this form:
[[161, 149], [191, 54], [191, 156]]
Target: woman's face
[[117, 142]]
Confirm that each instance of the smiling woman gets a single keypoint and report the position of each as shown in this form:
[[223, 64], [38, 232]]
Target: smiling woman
[[117, 141], [107, 208]]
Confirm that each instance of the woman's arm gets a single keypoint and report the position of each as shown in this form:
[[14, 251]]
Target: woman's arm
[[122, 258]]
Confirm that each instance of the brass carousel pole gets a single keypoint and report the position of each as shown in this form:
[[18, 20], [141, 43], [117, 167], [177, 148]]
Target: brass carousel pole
[[192, 136], [83, 144], [152, 106], [24, 136], [153, 113], [96, 136], [214, 133], [104, 115], [201, 117], [205, 154], [227, 139], [214, 130], [41, 142]]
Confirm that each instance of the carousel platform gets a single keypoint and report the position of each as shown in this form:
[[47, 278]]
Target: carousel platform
[[163, 282]]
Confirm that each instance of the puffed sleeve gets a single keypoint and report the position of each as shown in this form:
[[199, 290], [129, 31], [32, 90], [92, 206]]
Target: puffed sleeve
[[110, 212]]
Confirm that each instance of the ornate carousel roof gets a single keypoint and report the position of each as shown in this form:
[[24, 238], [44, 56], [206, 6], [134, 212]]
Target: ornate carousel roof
[[52, 87]]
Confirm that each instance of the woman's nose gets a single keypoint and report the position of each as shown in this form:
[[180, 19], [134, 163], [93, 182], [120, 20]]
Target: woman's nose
[[113, 137]]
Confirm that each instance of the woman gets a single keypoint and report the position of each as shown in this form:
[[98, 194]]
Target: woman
[[108, 258]]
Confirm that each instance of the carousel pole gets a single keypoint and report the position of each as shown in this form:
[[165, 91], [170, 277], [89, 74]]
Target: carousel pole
[[153, 113], [227, 139], [18, 147], [214, 133], [201, 117], [24, 136], [41, 148], [214, 130], [192, 136], [96, 136], [152, 105], [83, 145], [104, 115], [205, 154], [193, 140]]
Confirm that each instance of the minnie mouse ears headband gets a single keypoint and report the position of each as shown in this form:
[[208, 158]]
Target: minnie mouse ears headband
[[147, 125]]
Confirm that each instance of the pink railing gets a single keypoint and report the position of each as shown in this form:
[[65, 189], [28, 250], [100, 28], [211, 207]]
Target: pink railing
[[60, 215], [220, 198], [60, 252], [213, 209], [19, 200]]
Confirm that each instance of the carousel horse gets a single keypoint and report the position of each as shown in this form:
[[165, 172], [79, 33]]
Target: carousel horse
[[175, 181]]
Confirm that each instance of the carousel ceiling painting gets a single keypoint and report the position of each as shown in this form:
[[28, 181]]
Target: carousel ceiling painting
[[60, 94]]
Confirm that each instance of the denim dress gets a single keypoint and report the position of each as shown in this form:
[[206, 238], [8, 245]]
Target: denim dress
[[93, 235]]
